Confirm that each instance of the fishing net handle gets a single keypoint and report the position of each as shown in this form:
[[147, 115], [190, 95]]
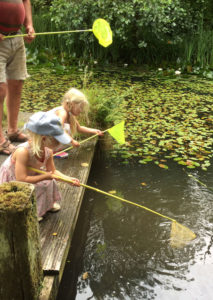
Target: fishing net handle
[[178, 232], [104, 193], [46, 33], [81, 142]]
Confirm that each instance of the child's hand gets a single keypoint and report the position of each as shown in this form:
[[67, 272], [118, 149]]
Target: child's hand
[[76, 182], [49, 175], [75, 143], [98, 132]]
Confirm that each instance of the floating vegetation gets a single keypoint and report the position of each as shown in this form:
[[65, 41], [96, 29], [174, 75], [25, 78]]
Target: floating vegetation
[[165, 117], [170, 119], [45, 88]]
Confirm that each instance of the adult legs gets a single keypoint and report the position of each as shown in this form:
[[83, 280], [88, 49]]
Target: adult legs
[[14, 88], [5, 146], [12, 73], [12, 92], [3, 91]]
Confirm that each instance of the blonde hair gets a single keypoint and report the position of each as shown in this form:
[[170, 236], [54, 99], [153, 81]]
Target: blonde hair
[[36, 142], [74, 97]]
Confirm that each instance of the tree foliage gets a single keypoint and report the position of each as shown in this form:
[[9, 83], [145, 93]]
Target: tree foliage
[[140, 27]]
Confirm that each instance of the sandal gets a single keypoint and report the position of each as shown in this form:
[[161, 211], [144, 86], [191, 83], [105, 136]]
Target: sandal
[[17, 136], [7, 148], [61, 155]]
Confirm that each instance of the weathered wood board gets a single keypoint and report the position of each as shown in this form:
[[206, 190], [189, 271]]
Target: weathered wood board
[[57, 228]]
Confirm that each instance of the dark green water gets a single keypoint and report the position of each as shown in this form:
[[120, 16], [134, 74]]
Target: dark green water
[[126, 250]]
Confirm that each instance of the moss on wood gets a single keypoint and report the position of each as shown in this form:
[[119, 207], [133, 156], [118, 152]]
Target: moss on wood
[[20, 262], [14, 196]]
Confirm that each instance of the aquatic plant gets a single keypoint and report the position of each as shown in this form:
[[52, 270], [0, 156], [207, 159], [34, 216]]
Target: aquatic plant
[[166, 117], [169, 119]]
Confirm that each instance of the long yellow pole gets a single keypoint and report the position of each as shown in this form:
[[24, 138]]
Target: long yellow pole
[[81, 142], [46, 33], [105, 193]]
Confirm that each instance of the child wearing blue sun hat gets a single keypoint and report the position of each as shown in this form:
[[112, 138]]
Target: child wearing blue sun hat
[[45, 134]]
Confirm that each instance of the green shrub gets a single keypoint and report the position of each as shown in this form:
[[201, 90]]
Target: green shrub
[[144, 31]]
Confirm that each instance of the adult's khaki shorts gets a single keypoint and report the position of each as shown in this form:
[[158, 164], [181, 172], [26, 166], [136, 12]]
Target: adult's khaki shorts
[[12, 59]]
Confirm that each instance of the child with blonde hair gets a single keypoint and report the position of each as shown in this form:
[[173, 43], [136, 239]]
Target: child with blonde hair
[[74, 103], [45, 133]]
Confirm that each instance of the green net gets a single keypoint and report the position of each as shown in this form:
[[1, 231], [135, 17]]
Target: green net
[[117, 132], [102, 32]]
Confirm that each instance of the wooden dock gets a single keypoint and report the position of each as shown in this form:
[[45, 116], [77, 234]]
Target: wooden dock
[[56, 230]]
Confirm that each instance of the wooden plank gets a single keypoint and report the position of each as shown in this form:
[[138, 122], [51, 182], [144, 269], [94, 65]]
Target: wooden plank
[[50, 288], [57, 228]]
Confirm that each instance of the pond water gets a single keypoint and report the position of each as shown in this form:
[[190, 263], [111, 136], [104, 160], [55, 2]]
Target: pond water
[[121, 251]]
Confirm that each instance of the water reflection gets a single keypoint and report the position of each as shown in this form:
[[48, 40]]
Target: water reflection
[[126, 249]]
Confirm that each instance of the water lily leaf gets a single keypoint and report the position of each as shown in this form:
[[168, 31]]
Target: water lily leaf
[[189, 163], [141, 161], [181, 162], [163, 166], [191, 167]]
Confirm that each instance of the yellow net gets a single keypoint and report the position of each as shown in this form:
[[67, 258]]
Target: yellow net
[[100, 28], [102, 32], [180, 235], [117, 132]]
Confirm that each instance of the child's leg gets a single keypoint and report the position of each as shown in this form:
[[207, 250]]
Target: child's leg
[[47, 193]]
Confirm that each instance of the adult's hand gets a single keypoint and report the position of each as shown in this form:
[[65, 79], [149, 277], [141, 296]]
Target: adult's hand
[[30, 37], [1, 37]]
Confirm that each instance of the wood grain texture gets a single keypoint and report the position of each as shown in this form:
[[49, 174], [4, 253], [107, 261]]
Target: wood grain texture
[[57, 228]]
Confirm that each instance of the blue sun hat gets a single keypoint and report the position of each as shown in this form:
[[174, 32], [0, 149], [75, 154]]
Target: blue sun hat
[[46, 123]]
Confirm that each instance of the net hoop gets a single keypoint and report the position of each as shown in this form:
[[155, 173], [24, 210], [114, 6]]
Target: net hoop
[[102, 32]]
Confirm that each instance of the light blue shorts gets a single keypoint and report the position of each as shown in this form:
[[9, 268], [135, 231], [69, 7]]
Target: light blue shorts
[[13, 59]]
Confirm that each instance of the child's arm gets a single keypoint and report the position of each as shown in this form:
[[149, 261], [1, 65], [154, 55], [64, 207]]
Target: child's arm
[[83, 129], [21, 172], [50, 166]]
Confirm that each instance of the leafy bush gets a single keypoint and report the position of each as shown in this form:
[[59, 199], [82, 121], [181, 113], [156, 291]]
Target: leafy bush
[[144, 31]]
